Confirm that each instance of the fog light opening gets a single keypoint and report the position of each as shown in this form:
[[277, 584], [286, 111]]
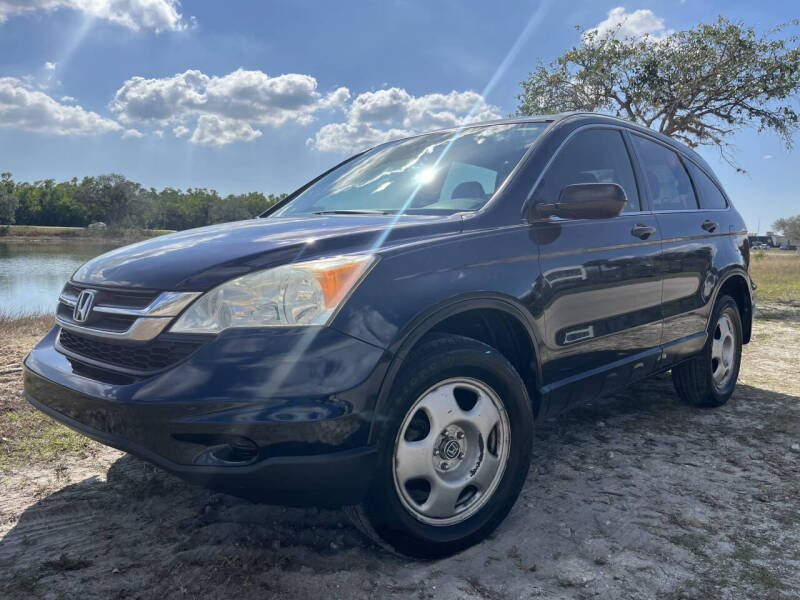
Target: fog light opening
[[240, 450]]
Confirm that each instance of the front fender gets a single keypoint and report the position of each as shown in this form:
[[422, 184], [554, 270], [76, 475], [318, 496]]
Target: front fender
[[426, 321]]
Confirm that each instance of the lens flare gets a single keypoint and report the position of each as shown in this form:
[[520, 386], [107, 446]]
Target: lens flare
[[426, 176]]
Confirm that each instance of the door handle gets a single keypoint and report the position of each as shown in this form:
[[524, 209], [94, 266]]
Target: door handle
[[709, 225], [642, 231]]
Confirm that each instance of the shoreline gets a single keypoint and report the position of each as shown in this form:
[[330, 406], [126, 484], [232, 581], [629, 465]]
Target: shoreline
[[42, 234]]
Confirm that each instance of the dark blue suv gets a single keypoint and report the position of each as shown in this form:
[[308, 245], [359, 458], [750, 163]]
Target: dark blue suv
[[385, 338]]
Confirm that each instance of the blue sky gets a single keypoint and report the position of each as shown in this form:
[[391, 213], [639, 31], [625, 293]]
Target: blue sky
[[240, 96]]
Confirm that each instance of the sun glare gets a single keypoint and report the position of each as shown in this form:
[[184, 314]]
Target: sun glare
[[426, 175]]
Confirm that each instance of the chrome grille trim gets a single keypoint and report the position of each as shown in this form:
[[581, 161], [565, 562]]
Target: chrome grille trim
[[166, 304], [67, 300], [147, 322], [141, 330]]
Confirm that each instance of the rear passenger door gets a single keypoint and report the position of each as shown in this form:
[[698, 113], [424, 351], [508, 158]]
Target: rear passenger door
[[600, 291], [689, 239]]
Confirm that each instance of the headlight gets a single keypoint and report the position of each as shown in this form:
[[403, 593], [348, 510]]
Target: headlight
[[305, 293]]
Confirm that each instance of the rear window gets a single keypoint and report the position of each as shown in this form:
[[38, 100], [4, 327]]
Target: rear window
[[708, 193], [667, 180]]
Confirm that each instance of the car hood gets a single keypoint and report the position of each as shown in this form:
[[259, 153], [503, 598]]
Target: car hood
[[198, 259]]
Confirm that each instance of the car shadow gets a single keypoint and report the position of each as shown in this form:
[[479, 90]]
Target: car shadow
[[144, 529]]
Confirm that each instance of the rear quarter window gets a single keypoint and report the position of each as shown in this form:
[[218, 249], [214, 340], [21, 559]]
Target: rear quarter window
[[709, 195]]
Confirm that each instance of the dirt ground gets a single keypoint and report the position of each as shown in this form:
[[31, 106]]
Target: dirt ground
[[635, 496]]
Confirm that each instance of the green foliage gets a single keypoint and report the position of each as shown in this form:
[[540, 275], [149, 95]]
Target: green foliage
[[789, 226], [8, 201], [122, 204], [699, 85]]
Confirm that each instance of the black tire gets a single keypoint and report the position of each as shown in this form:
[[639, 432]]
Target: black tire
[[440, 358], [694, 380]]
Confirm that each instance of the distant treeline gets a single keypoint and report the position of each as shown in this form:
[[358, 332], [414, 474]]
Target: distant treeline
[[121, 203]]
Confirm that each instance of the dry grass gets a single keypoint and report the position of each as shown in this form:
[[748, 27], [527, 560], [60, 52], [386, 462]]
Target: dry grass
[[777, 274], [13, 325], [28, 436]]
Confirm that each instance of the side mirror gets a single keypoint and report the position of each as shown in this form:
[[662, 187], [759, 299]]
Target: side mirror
[[586, 201]]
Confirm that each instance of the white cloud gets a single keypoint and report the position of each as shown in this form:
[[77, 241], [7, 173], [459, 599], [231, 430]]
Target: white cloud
[[158, 15], [161, 100], [49, 66], [67, 99], [242, 100], [24, 108], [218, 131], [159, 133], [767, 157], [636, 24], [132, 133], [219, 110], [255, 96], [375, 117], [337, 99]]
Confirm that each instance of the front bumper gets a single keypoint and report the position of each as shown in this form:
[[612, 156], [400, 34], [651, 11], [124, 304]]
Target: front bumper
[[277, 416]]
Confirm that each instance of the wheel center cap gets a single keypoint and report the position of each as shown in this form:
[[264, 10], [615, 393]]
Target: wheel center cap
[[450, 449]]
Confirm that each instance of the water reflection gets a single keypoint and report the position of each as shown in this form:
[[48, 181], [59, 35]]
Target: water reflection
[[32, 274]]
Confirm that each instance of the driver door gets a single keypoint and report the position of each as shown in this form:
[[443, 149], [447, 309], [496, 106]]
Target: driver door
[[600, 291]]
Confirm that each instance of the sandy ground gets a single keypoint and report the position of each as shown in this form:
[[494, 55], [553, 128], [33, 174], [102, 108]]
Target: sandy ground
[[635, 496]]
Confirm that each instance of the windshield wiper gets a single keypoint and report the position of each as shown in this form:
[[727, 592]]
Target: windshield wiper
[[353, 211]]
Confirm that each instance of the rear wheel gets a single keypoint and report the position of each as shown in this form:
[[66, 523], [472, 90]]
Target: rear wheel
[[709, 378], [455, 452]]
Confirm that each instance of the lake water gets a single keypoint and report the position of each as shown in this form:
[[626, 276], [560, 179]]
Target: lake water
[[32, 275]]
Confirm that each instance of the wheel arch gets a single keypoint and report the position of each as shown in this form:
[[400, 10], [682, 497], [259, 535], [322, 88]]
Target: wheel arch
[[497, 320], [737, 285]]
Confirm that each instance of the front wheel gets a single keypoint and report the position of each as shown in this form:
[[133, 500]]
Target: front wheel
[[709, 378], [455, 452]]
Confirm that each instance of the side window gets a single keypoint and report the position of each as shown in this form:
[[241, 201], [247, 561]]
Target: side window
[[667, 180], [593, 156], [709, 194]]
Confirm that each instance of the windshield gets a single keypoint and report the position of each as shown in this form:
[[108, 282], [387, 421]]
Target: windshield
[[438, 173]]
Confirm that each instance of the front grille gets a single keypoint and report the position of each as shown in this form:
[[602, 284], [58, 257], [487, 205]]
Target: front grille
[[142, 359], [103, 322], [99, 374], [128, 298], [122, 315]]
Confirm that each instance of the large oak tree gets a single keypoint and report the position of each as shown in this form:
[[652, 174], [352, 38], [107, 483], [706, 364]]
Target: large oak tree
[[699, 85]]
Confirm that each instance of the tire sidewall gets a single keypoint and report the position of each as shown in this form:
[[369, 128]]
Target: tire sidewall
[[389, 517], [727, 305]]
